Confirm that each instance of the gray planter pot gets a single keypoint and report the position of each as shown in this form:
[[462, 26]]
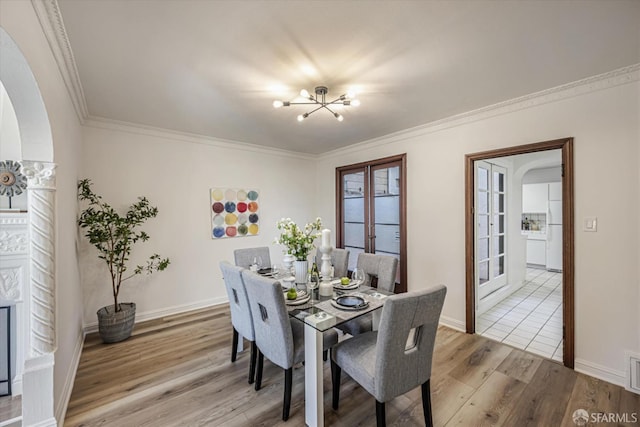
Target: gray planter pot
[[116, 326]]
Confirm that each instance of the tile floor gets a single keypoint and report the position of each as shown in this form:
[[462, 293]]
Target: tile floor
[[531, 318]]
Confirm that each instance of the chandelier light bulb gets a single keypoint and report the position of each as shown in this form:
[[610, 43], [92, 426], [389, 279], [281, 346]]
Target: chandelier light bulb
[[355, 102], [300, 117], [304, 93], [351, 93], [339, 117], [278, 104]]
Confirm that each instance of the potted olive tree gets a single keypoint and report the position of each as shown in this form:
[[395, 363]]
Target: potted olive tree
[[114, 235]]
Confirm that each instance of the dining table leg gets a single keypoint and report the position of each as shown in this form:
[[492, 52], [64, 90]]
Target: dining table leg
[[313, 387]]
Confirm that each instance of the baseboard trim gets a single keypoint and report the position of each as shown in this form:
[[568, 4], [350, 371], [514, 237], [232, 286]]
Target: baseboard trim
[[453, 323], [169, 311], [600, 372], [63, 403], [13, 422]]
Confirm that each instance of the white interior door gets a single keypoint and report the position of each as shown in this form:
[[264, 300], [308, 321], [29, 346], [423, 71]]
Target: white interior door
[[490, 228]]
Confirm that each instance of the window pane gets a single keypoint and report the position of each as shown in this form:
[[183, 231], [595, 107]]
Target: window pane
[[354, 210], [483, 225], [498, 268], [354, 235], [387, 239], [483, 179], [498, 245], [353, 185], [498, 203], [483, 202], [483, 272], [387, 181], [498, 182], [483, 248], [387, 209]]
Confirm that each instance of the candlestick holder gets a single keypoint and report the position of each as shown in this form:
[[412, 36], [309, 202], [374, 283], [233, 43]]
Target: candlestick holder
[[325, 271]]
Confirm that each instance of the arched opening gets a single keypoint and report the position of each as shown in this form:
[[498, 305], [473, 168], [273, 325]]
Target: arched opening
[[32, 291]]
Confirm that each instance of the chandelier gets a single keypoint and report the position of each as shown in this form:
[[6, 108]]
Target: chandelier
[[320, 102]]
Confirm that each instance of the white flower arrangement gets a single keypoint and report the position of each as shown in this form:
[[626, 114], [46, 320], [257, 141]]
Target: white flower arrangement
[[297, 242]]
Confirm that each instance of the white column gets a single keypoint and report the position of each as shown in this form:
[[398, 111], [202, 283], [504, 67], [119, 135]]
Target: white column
[[37, 396], [41, 201]]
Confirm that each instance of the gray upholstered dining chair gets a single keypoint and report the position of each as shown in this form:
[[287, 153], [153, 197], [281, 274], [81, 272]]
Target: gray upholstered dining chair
[[241, 318], [397, 358], [279, 337], [339, 260], [244, 257], [384, 268]]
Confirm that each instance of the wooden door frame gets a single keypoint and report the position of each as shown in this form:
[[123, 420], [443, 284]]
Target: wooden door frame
[[568, 313], [401, 159]]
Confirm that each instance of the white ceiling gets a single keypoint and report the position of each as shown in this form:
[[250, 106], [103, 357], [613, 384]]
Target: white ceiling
[[214, 68]]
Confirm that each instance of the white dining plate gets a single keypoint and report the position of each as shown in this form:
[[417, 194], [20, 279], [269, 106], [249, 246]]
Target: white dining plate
[[298, 301], [342, 307], [352, 284]]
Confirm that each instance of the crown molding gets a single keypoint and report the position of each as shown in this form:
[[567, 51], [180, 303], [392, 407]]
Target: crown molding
[[156, 132], [48, 13], [591, 84]]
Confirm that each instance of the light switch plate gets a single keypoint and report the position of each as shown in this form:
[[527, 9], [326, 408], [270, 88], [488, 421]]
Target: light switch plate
[[590, 223]]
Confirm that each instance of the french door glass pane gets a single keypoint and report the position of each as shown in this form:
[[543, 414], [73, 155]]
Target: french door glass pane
[[354, 220], [483, 272], [483, 179], [483, 248], [483, 203], [483, 225]]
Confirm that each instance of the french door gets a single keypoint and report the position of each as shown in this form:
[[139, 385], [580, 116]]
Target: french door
[[490, 228], [371, 211]]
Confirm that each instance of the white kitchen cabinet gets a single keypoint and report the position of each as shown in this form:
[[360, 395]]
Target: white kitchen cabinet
[[555, 191], [534, 198], [536, 252]]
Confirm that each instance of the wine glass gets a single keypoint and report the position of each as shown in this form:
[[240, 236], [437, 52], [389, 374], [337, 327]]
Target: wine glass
[[257, 261], [275, 270], [357, 275], [312, 283]]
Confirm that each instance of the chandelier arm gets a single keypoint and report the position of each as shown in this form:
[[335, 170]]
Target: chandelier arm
[[335, 101], [305, 103], [330, 110], [318, 108]]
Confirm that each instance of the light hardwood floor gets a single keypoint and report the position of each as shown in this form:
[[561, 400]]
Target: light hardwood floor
[[176, 371]]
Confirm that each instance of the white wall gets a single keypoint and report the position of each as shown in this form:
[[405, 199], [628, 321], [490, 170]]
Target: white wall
[[21, 23], [605, 125], [175, 172]]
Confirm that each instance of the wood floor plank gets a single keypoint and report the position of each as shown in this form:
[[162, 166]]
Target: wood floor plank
[[520, 365], [474, 369], [544, 400], [491, 403], [176, 371]]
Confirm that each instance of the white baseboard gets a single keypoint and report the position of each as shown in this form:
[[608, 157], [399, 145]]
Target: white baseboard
[[169, 311], [16, 387], [65, 396], [453, 323], [601, 372], [13, 422]]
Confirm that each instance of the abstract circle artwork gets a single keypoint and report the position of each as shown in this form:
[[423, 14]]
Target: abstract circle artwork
[[235, 212]]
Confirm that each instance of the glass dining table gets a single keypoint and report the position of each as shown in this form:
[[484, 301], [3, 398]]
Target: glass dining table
[[320, 315]]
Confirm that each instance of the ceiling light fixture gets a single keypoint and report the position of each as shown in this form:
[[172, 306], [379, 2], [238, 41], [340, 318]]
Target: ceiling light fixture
[[320, 102]]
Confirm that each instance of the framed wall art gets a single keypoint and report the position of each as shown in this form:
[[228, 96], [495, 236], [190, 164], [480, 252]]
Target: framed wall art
[[235, 212]]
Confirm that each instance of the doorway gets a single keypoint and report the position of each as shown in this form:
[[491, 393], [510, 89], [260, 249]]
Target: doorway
[[371, 211], [473, 235]]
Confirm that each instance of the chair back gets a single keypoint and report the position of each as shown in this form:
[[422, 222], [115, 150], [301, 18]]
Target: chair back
[[244, 257], [339, 260], [238, 301], [272, 327], [383, 267], [406, 339]]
